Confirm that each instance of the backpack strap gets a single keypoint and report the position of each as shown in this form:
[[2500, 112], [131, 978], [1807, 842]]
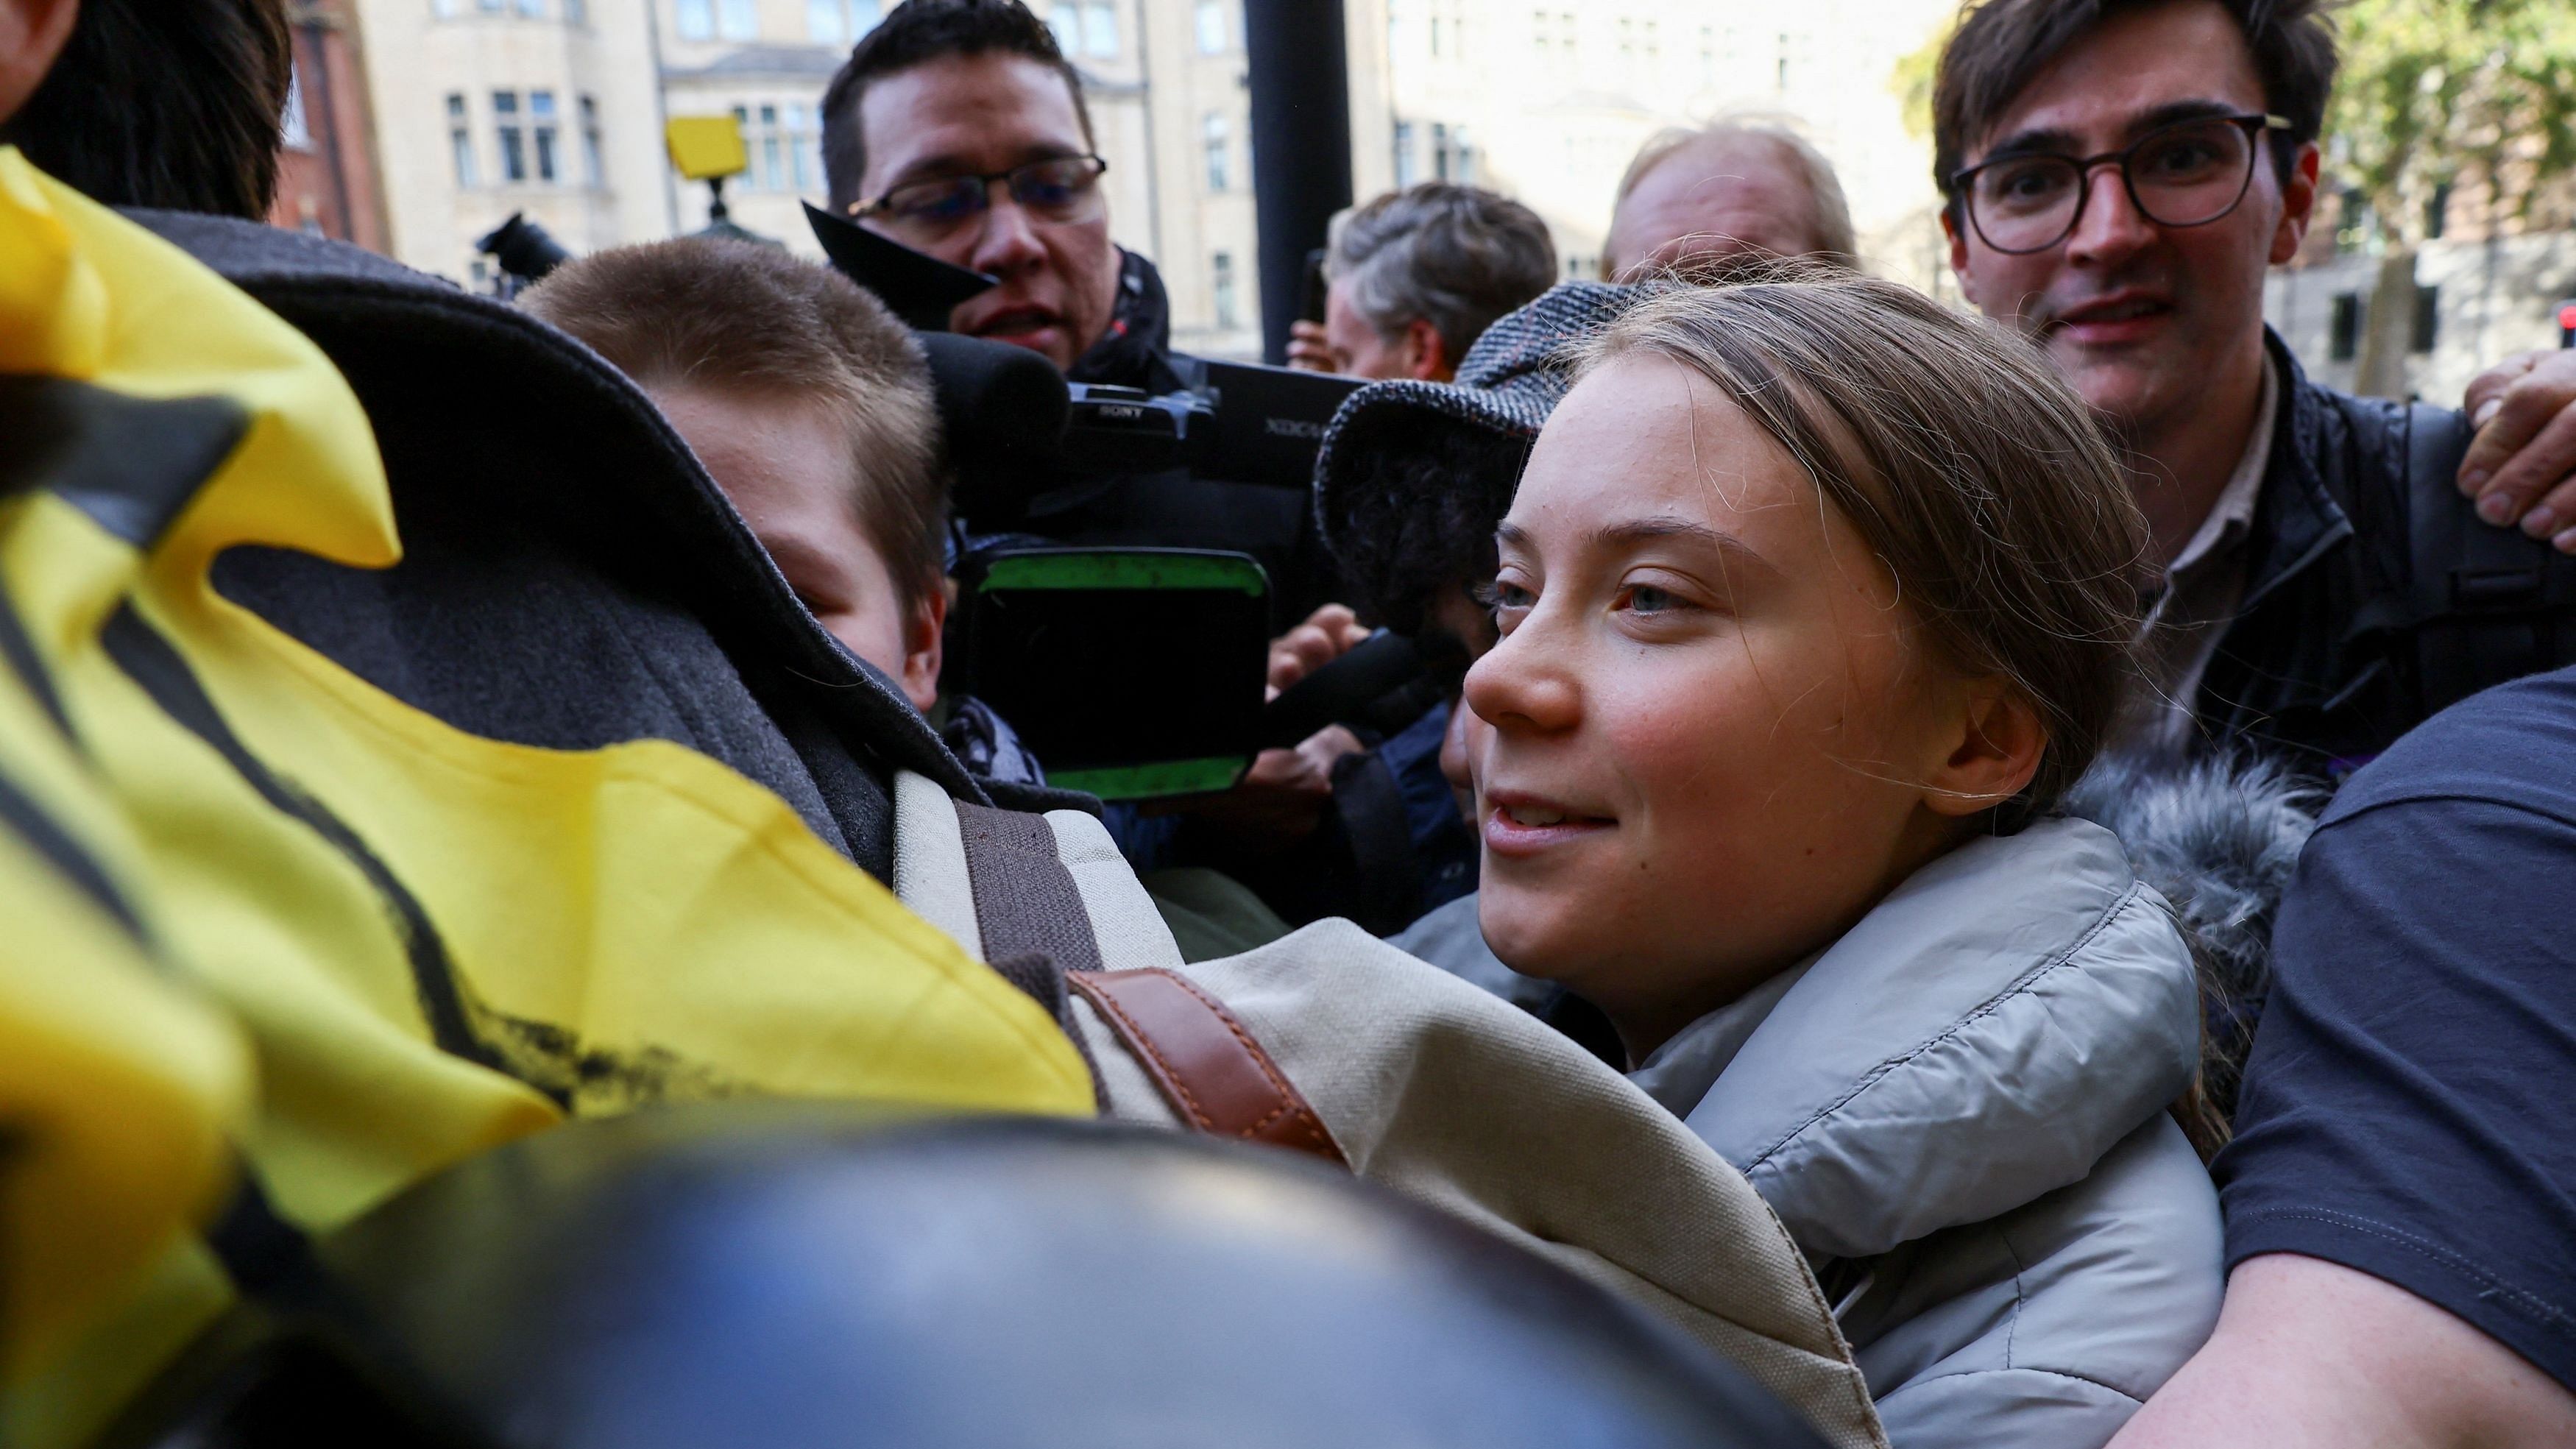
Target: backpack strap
[[2484, 604], [1025, 900]]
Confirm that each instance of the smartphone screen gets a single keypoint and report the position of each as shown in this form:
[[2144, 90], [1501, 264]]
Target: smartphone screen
[[1129, 673]]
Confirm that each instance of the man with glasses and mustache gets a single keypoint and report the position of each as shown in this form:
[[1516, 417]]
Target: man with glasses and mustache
[[2119, 175], [958, 128]]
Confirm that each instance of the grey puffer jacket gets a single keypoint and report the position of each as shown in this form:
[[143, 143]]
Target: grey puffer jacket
[[1958, 1110]]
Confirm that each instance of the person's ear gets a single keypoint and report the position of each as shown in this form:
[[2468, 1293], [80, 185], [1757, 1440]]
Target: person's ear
[[1998, 748], [1958, 242], [1425, 355], [2298, 206], [922, 648], [32, 36]]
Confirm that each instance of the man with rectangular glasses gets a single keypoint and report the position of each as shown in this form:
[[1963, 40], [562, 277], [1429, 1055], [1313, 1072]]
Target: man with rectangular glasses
[[2119, 175], [958, 128]]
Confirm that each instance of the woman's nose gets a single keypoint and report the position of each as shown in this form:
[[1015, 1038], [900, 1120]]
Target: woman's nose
[[1526, 684]]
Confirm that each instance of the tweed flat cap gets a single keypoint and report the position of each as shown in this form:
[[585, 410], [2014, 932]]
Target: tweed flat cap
[[1431, 458]]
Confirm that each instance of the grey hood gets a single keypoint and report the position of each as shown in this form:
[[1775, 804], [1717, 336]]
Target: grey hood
[[1983, 1037]]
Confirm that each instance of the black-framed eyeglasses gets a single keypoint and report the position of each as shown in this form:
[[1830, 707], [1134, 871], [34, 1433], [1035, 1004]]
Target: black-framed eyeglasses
[[1060, 188], [2190, 173]]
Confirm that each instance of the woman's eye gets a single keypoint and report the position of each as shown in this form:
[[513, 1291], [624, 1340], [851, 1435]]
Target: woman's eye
[[1505, 601], [1650, 599]]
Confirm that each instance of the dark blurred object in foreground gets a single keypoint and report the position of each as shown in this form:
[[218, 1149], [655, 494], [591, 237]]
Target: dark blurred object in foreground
[[791, 1275]]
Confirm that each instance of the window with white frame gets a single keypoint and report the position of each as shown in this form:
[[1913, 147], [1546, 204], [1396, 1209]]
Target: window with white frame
[[1213, 139], [773, 155], [1791, 63], [782, 144], [749, 180], [1405, 170], [532, 9], [1215, 35], [514, 141], [1085, 27], [804, 146], [738, 19], [594, 169], [840, 22], [460, 141], [695, 19], [1453, 154], [541, 129], [1221, 283]]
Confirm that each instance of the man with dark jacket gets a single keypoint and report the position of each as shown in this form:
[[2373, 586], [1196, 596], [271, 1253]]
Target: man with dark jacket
[[2119, 175]]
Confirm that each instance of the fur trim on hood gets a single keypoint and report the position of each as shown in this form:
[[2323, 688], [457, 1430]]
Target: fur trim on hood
[[2218, 838]]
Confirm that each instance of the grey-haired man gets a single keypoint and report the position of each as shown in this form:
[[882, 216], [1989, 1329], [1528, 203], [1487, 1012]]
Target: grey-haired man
[[1416, 276]]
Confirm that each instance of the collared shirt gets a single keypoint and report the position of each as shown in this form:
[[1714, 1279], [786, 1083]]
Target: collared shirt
[[2202, 588]]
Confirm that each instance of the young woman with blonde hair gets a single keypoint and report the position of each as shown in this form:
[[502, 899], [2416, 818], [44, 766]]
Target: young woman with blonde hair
[[1814, 600]]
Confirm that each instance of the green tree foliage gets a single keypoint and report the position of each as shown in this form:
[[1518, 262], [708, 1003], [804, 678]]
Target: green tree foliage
[[2477, 95], [1913, 77], [2437, 91]]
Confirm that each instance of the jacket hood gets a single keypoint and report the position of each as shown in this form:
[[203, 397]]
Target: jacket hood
[[426, 359], [1985, 1035], [2217, 837]]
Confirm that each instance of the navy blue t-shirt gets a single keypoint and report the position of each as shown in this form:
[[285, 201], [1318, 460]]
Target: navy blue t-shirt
[[2409, 1108]]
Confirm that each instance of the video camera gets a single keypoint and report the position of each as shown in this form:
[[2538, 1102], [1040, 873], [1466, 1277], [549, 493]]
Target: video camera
[[1126, 556]]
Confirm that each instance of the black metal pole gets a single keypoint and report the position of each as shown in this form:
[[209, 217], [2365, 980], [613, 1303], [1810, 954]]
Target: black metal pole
[[1301, 144]]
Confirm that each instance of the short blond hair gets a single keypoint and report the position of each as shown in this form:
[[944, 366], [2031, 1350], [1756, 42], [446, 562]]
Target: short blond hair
[[731, 315], [1830, 225]]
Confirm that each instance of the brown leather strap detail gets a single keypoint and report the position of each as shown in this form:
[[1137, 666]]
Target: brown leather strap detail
[[1207, 1066]]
